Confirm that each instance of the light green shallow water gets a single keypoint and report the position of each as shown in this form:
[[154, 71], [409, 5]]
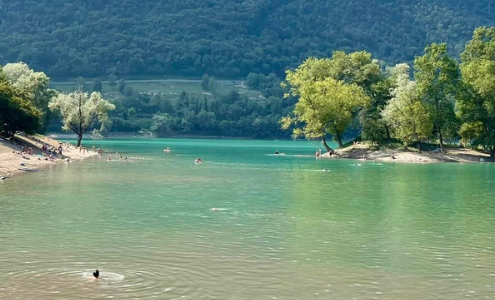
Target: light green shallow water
[[287, 231]]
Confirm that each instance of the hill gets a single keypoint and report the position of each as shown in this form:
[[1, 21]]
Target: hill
[[231, 38]]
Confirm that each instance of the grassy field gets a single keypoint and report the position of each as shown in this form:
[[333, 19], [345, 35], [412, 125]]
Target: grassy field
[[167, 89]]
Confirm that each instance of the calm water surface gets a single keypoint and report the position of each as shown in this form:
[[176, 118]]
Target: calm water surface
[[283, 228]]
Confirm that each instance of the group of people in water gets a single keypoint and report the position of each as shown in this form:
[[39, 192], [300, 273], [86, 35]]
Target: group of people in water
[[198, 160]]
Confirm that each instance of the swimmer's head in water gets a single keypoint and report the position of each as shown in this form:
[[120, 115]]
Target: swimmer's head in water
[[96, 273]]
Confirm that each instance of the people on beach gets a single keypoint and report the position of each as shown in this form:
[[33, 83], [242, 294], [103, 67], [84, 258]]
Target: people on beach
[[317, 154]]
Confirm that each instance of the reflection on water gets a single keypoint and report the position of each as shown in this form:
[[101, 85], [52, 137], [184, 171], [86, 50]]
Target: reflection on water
[[246, 225]]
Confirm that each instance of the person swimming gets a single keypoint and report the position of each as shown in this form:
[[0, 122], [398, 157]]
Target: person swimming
[[96, 274]]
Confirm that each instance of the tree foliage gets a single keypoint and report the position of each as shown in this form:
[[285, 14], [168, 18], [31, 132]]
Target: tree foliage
[[16, 113], [329, 96], [437, 76], [405, 113], [32, 86], [476, 100], [81, 111]]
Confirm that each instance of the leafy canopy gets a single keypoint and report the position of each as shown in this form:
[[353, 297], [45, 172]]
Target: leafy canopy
[[81, 111], [406, 114], [329, 94], [476, 99], [437, 77]]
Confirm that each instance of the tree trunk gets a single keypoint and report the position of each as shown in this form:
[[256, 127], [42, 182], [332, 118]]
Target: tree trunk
[[339, 139], [324, 142], [492, 152], [442, 147], [79, 139], [387, 130], [419, 146]]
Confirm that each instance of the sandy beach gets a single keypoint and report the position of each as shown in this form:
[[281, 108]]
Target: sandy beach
[[13, 161], [363, 152]]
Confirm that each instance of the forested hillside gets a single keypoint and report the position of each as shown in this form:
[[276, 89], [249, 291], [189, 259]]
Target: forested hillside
[[230, 38]]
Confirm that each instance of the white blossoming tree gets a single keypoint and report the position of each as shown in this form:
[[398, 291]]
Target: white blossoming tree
[[81, 111]]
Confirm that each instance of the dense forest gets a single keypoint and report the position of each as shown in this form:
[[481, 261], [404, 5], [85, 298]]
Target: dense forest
[[224, 38]]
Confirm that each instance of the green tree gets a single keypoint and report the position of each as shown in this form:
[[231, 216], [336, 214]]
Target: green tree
[[16, 113], [205, 82], [355, 71], [476, 99], [31, 86], [163, 123], [406, 114], [121, 86], [437, 77], [373, 126], [212, 86], [324, 106], [80, 111], [131, 112]]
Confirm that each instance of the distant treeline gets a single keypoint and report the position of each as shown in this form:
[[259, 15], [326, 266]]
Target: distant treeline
[[67, 38], [231, 114]]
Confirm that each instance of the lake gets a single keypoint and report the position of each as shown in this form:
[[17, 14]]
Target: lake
[[246, 224]]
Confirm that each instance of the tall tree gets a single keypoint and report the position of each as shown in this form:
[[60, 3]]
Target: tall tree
[[405, 113], [437, 77], [31, 86], [121, 85], [355, 70], [476, 101], [205, 82], [81, 111], [373, 126], [16, 113], [325, 106]]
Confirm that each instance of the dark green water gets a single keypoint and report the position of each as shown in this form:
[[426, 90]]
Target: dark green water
[[282, 228]]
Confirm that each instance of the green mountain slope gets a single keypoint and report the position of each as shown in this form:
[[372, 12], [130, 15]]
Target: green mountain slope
[[223, 37]]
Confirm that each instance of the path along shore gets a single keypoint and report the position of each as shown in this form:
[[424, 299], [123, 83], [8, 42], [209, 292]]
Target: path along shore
[[14, 161], [363, 152]]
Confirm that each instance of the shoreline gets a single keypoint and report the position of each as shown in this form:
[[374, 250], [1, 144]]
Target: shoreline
[[362, 152], [14, 162]]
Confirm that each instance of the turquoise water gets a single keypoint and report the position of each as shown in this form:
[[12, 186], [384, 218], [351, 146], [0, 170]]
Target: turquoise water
[[281, 228]]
